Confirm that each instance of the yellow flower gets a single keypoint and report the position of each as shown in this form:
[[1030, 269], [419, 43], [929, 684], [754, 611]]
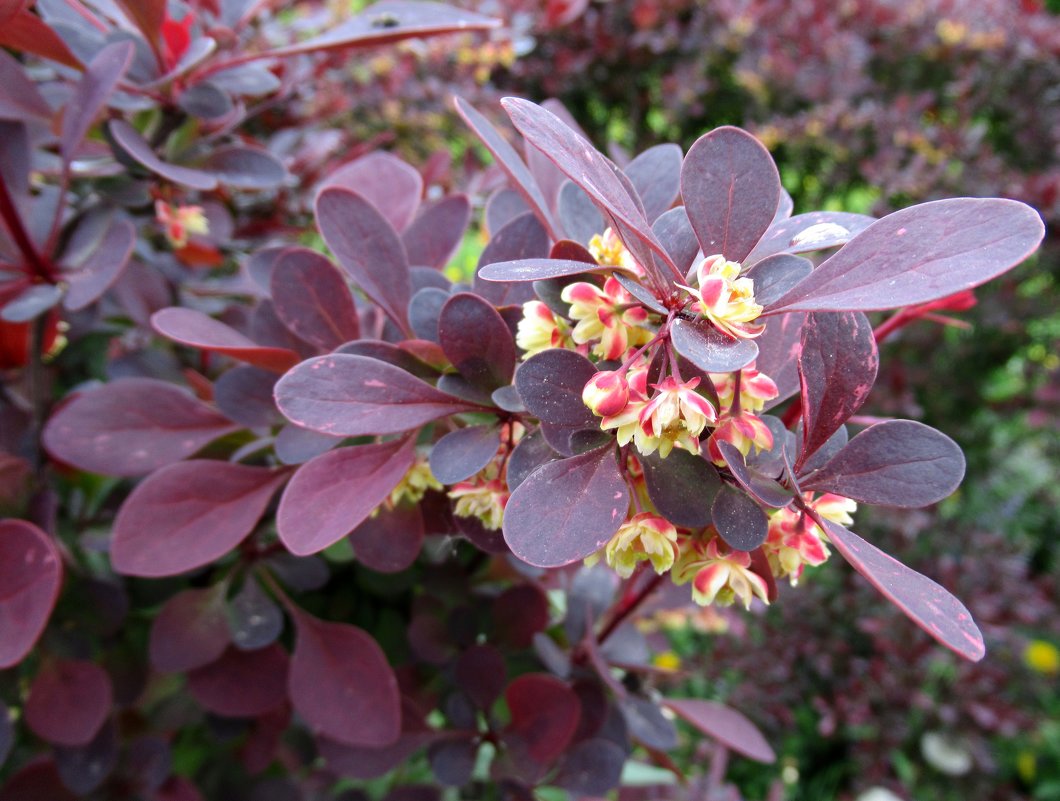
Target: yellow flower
[[726, 299], [180, 222], [643, 537], [540, 329], [1043, 657], [667, 660], [417, 481]]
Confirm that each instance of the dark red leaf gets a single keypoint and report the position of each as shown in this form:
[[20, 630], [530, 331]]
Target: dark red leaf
[[341, 684], [436, 233], [25, 32], [775, 275], [98, 271], [778, 354], [84, 768], [731, 190], [923, 601], [462, 453], [177, 788], [551, 383], [138, 149], [356, 396], [920, 254], [19, 97], [519, 613], [647, 723], [190, 631], [591, 768], [709, 349], [762, 488], [424, 310], [837, 368], [477, 341], [481, 673], [334, 493], [674, 230], [682, 487], [68, 702], [368, 248], [244, 394], [726, 725], [31, 573], [393, 187], [544, 715], [243, 167], [312, 299], [656, 175], [531, 452], [508, 160], [197, 330], [581, 219], [815, 230], [739, 519], [391, 21], [390, 541], [36, 781], [567, 509], [147, 15], [243, 684], [895, 463], [208, 507], [98, 82], [520, 239]]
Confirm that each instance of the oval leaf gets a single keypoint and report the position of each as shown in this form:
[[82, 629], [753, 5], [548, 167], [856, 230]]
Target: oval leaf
[[355, 396], [31, 573], [68, 702], [731, 189], [254, 620], [477, 341], [551, 383], [709, 349], [726, 725], [98, 82], [138, 149], [919, 254], [896, 463], [242, 684], [922, 600], [341, 685], [775, 275], [567, 509], [656, 175], [332, 494], [682, 487], [436, 233], [544, 715], [197, 330], [190, 631], [462, 453], [101, 268], [312, 299], [390, 541], [739, 519], [207, 507], [385, 181], [246, 168], [815, 230]]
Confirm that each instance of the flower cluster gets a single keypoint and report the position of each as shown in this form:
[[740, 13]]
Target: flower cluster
[[725, 298], [180, 222], [795, 540]]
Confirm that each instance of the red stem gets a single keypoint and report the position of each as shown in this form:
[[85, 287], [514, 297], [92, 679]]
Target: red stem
[[9, 212], [627, 606]]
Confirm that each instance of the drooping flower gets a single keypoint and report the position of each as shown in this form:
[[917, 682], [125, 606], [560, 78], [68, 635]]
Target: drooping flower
[[719, 574], [179, 222], [609, 251], [755, 389], [415, 484], [540, 329], [607, 314], [645, 536], [743, 431], [726, 299], [674, 417], [483, 496], [795, 540], [606, 393]]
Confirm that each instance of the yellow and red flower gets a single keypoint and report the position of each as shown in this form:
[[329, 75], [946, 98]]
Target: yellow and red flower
[[726, 299], [540, 329], [607, 314], [644, 537], [180, 222], [719, 574]]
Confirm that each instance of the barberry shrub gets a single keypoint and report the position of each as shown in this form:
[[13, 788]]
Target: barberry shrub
[[446, 458]]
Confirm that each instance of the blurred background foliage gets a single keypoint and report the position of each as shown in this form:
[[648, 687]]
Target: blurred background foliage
[[867, 105]]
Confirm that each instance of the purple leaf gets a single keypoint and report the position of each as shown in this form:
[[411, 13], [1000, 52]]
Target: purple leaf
[[462, 453], [436, 233], [355, 396], [581, 219], [83, 769], [775, 275], [480, 672], [674, 231], [726, 725], [390, 21], [197, 330], [393, 187], [739, 519], [19, 98], [656, 175], [131, 427], [531, 452], [31, 575], [294, 445], [731, 190], [254, 619], [503, 206], [920, 254], [98, 271], [424, 310], [762, 488], [896, 463], [341, 685], [647, 723], [508, 160], [320, 507], [245, 167], [368, 248], [392, 355], [591, 768], [534, 269], [208, 507], [580, 162], [837, 368], [138, 149], [815, 230], [544, 715], [923, 601], [522, 238], [390, 541], [551, 383], [567, 509], [312, 299], [477, 341], [682, 487], [190, 631], [244, 394], [31, 303], [147, 16], [242, 684], [778, 354], [641, 293], [709, 349], [68, 702], [100, 78]]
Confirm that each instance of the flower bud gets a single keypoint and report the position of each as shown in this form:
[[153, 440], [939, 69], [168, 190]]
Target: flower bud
[[606, 393]]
